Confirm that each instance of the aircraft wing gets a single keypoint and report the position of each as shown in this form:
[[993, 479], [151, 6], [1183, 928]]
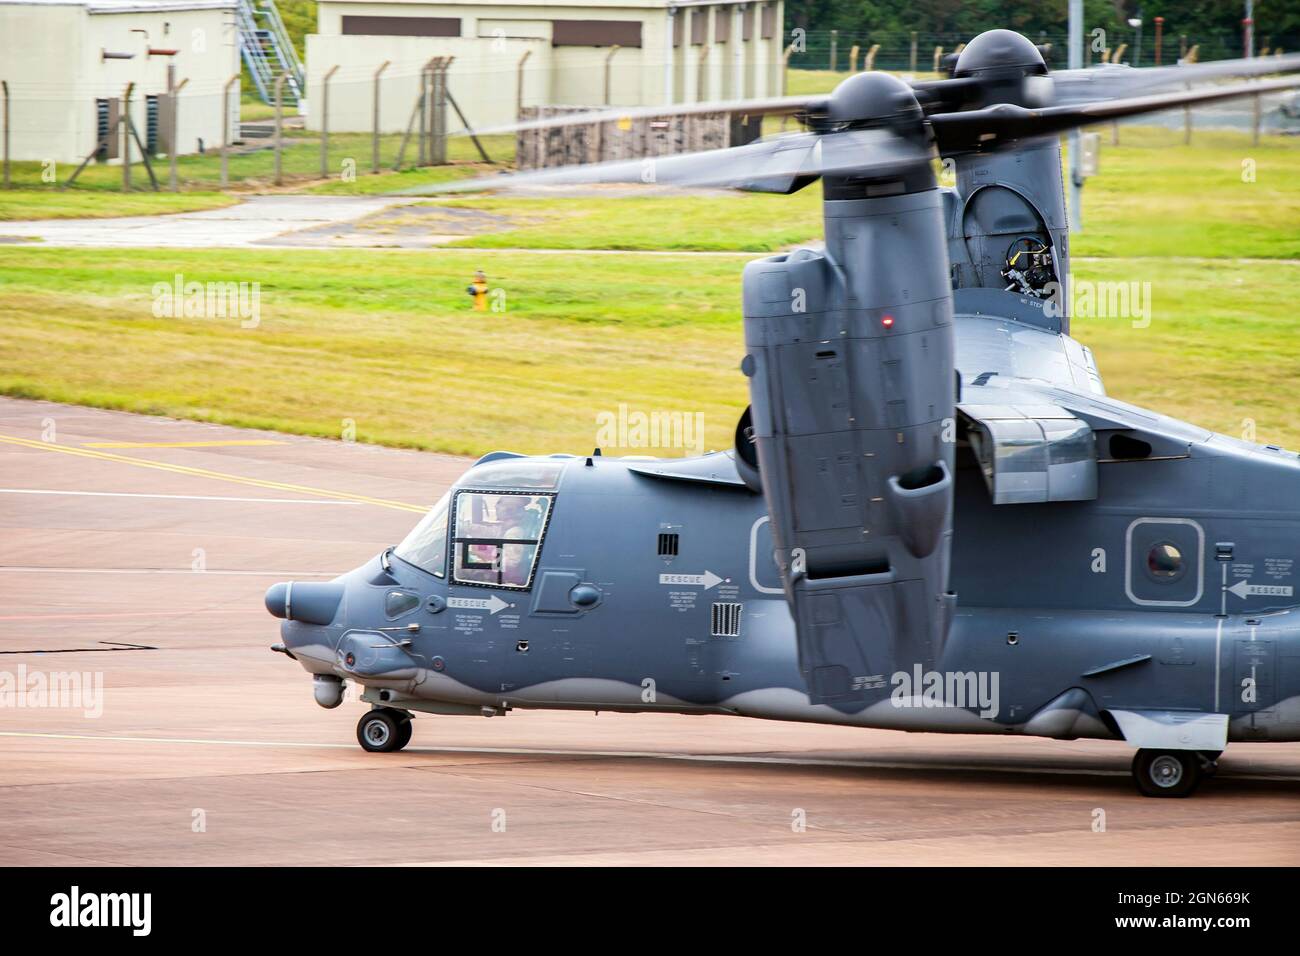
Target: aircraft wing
[[992, 346], [1037, 420]]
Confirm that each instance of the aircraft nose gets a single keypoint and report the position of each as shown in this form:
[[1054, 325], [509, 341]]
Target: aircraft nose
[[310, 602]]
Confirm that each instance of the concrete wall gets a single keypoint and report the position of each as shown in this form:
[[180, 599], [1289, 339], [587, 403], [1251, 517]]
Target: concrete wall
[[484, 75], [51, 56], [42, 51], [483, 78], [579, 77], [727, 66]]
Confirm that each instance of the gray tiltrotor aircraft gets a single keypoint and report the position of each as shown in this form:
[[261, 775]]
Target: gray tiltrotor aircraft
[[933, 519]]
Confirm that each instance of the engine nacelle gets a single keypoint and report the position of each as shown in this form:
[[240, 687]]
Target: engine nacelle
[[852, 386]]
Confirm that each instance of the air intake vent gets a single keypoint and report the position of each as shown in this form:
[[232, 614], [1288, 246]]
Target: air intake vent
[[102, 130], [726, 620], [151, 124], [668, 545]]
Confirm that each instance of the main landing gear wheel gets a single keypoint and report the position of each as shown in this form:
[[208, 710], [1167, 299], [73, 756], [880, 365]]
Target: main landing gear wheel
[[405, 737], [1167, 773], [384, 730]]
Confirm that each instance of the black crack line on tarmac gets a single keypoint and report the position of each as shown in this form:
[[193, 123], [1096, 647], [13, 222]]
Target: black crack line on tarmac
[[115, 646]]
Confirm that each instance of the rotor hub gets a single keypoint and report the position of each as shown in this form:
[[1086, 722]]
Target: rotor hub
[[1001, 66], [868, 100], [1000, 51]]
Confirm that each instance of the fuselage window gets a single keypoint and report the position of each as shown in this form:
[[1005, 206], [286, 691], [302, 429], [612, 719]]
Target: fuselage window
[[498, 537], [397, 603], [426, 545], [1165, 562]]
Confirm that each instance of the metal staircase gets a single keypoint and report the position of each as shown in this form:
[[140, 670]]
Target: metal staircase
[[268, 52]]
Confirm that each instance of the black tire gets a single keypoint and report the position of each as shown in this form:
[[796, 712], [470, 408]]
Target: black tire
[[1167, 773], [405, 736], [380, 731]]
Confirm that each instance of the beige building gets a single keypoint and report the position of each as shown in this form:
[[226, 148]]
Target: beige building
[[68, 62], [528, 53]]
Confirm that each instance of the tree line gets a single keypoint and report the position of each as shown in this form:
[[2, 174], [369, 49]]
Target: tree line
[[1213, 24]]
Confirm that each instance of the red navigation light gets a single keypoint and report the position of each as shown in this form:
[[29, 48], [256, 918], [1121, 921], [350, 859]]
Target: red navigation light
[[887, 321]]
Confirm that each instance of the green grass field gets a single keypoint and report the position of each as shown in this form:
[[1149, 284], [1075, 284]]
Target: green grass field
[[387, 340], [709, 223], [251, 107], [1158, 197], [384, 339]]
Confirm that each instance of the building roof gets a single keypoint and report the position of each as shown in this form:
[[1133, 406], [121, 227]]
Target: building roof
[[497, 4], [127, 6]]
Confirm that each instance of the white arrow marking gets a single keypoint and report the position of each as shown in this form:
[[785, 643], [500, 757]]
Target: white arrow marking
[[491, 604], [708, 579], [1244, 588]]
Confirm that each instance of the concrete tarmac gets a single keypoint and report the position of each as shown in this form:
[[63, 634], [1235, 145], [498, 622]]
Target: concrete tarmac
[[137, 549]]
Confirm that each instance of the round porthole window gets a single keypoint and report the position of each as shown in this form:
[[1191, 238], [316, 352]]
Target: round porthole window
[[1165, 562]]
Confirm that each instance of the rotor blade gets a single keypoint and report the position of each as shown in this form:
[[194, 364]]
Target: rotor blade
[[783, 164], [991, 128], [1071, 87], [788, 105], [1113, 81], [946, 95]]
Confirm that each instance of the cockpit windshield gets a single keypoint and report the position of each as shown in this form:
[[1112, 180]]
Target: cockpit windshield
[[426, 545], [518, 473], [498, 534], [497, 537]]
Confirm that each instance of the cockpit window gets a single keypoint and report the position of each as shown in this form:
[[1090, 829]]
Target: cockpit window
[[426, 545], [514, 473], [397, 603], [497, 537]]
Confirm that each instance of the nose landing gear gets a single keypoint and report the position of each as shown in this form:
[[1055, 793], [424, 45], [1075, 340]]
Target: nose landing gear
[[384, 730]]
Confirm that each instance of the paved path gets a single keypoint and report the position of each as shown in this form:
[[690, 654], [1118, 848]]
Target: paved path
[[259, 220]]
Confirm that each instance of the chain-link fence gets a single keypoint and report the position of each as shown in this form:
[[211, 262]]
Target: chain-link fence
[[915, 52], [205, 139]]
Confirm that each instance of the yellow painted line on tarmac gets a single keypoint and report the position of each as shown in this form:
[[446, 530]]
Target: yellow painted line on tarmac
[[181, 444], [207, 473]]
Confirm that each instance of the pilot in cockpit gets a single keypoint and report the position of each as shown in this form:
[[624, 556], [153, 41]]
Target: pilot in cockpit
[[509, 518]]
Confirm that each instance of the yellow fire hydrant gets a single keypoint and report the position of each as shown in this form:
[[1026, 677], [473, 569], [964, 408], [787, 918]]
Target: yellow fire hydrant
[[479, 290]]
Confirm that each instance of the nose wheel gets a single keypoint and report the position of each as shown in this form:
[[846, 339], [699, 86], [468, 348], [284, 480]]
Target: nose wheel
[[1167, 773], [384, 730]]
